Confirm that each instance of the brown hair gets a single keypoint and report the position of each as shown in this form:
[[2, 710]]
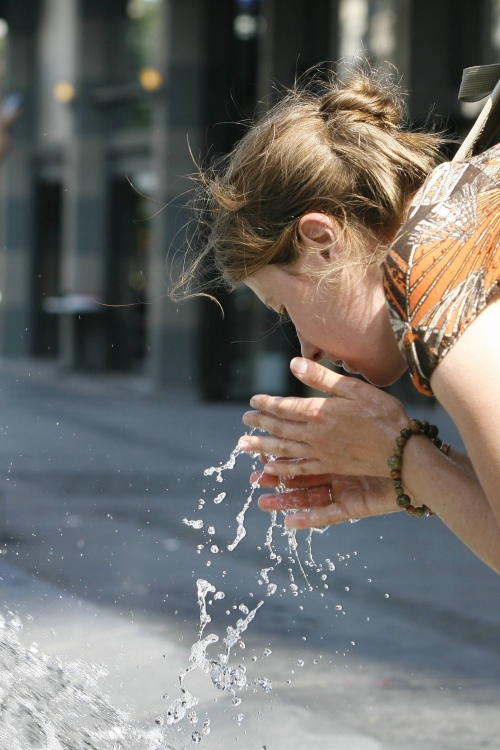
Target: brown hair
[[334, 147]]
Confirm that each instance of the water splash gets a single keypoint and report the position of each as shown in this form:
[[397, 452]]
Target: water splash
[[56, 705], [223, 676], [230, 464], [241, 532], [197, 524]]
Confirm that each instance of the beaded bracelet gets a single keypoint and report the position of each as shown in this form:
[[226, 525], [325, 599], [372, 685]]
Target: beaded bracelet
[[395, 462]]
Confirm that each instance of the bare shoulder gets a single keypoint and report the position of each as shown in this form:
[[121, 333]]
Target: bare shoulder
[[467, 381]]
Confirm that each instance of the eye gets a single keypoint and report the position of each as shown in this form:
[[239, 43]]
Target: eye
[[282, 312]]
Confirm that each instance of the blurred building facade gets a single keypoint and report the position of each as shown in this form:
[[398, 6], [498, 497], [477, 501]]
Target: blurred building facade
[[117, 97]]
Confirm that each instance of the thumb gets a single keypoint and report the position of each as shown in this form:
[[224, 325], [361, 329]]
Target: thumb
[[320, 377]]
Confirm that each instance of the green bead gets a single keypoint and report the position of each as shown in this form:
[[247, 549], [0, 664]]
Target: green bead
[[399, 490], [400, 441], [405, 432], [425, 424], [394, 462], [438, 442], [433, 431], [414, 426], [420, 511], [403, 501], [396, 482]]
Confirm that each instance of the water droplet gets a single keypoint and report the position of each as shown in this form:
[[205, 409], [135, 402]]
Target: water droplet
[[197, 524], [239, 718], [206, 727], [331, 566], [200, 546], [316, 661], [353, 643], [219, 595], [243, 608], [208, 563], [324, 577], [192, 717], [386, 596], [236, 701], [219, 498], [267, 652], [211, 530], [196, 738], [214, 549], [346, 588], [338, 606], [300, 663]]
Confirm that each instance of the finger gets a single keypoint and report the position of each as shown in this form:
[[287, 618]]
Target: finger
[[292, 408], [305, 466], [320, 377], [315, 497], [276, 427], [272, 446], [290, 483], [328, 516]]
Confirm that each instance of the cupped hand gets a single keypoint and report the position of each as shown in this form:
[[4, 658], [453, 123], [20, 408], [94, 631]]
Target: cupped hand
[[350, 434], [326, 499]]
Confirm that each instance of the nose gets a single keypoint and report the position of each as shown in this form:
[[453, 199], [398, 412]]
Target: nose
[[309, 351]]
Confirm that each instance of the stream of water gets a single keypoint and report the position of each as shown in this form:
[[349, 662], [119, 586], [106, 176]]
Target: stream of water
[[49, 703], [234, 679]]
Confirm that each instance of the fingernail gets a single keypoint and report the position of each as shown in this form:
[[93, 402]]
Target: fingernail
[[298, 365], [245, 444]]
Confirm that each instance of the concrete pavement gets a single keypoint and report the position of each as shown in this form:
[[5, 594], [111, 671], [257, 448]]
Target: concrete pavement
[[97, 476]]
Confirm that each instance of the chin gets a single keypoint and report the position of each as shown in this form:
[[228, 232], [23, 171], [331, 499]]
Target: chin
[[384, 379]]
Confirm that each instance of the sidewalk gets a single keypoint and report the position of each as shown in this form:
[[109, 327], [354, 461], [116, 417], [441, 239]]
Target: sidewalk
[[97, 476]]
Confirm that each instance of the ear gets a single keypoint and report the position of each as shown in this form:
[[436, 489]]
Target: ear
[[317, 231]]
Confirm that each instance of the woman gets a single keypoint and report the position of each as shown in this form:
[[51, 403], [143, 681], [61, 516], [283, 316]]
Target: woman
[[324, 211]]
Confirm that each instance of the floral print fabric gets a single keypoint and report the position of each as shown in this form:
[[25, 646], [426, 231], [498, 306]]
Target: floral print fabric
[[444, 265]]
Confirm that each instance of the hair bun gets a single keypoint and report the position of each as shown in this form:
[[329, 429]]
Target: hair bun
[[366, 99]]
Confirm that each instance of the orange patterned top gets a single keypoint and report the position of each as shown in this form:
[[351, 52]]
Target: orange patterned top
[[444, 265]]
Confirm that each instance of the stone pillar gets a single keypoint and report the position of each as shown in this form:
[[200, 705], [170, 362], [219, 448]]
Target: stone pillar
[[16, 232], [85, 217], [177, 128]]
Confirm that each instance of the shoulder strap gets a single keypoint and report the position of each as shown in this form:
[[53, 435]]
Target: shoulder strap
[[478, 82]]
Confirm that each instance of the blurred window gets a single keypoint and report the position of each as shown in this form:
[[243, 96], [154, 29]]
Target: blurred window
[[4, 31], [375, 30], [143, 39]]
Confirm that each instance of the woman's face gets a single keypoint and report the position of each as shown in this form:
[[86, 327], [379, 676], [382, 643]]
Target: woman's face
[[349, 326]]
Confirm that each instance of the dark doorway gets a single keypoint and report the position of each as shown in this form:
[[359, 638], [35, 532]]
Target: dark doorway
[[48, 196], [127, 277]]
